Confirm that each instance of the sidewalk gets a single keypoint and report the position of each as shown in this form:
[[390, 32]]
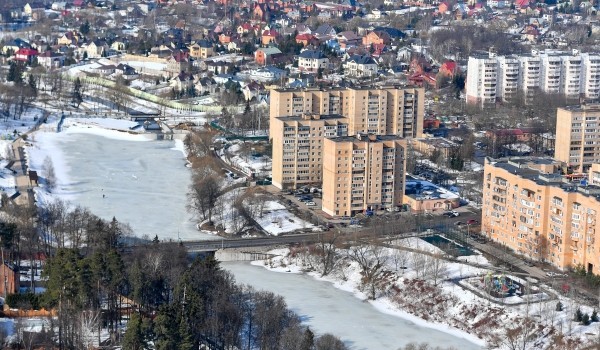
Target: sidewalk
[[23, 186]]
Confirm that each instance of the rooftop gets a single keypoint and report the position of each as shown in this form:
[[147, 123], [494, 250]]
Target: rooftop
[[545, 172], [310, 117]]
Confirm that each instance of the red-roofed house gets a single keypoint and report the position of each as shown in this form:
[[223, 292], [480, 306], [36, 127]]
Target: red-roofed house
[[26, 55], [305, 39], [449, 69], [444, 7], [269, 36]]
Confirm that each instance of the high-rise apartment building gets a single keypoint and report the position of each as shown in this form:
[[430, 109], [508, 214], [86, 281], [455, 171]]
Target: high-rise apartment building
[[578, 136], [531, 208], [362, 172], [298, 147], [491, 78], [376, 110]]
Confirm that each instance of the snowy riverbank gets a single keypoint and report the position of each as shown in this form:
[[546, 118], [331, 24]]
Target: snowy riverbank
[[447, 306]]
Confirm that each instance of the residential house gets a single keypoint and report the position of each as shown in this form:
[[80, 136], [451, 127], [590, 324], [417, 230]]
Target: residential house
[[216, 67], [252, 90], [26, 55], [449, 69], [126, 71], [268, 74], [51, 60], [10, 285], [348, 39], [14, 46], [93, 49], [312, 61], [206, 86], [118, 45], [376, 38], [182, 81], [305, 39], [324, 32], [69, 38], [201, 49], [177, 63], [360, 66], [267, 55], [245, 28], [269, 36], [443, 7], [225, 38]]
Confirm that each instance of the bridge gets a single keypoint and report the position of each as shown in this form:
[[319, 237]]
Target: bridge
[[216, 244]]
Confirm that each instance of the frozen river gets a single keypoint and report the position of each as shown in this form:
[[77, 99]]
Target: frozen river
[[329, 310], [141, 183]]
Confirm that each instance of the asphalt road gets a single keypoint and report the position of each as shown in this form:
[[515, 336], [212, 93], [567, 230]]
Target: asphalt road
[[211, 245]]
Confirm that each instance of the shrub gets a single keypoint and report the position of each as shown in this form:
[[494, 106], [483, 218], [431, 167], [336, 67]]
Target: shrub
[[585, 319], [25, 301]]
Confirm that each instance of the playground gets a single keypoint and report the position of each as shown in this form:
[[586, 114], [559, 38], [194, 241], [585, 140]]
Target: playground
[[504, 289]]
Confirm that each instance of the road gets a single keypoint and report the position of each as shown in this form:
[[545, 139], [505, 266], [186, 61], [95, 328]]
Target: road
[[211, 245]]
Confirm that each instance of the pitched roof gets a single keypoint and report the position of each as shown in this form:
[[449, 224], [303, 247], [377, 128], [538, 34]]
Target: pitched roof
[[269, 50], [312, 54], [361, 59]]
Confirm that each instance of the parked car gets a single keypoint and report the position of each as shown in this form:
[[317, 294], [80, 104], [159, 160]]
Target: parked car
[[311, 204], [472, 222], [458, 223]]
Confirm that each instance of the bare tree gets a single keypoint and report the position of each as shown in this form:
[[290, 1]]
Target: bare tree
[[48, 168], [371, 258], [437, 267]]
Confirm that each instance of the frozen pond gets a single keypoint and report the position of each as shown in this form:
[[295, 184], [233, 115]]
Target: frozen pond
[[141, 183], [329, 310]]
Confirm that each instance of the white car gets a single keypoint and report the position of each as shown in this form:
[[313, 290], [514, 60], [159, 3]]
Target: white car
[[311, 204]]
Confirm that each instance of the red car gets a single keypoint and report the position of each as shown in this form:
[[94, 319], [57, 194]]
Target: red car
[[472, 222]]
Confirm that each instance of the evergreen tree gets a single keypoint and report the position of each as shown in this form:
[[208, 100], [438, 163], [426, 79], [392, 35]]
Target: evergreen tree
[[585, 319], [15, 72], [578, 315], [594, 317], [308, 340], [85, 28], [77, 95], [134, 336]]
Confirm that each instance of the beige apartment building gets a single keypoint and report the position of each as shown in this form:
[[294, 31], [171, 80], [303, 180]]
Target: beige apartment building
[[578, 136], [376, 110], [298, 147], [362, 172], [531, 208]]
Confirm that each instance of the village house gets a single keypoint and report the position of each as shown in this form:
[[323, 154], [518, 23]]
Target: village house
[[182, 81], [206, 86], [51, 60], [201, 49], [312, 61], [93, 49], [376, 38], [69, 38], [26, 55], [177, 63], [269, 36], [360, 66], [267, 55]]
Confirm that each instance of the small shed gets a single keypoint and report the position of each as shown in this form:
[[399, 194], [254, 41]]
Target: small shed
[[33, 177]]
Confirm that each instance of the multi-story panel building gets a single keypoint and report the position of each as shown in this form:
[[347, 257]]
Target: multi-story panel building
[[380, 110], [578, 136], [298, 154], [482, 78], [531, 208], [572, 74], [362, 172]]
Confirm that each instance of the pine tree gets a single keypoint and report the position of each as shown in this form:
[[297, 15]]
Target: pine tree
[[559, 306], [308, 340], [585, 319], [578, 315], [134, 336]]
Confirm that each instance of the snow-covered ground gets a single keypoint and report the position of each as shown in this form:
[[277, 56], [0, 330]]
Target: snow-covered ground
[[246, 163], [101, 164], [448, 306], [277, 220]]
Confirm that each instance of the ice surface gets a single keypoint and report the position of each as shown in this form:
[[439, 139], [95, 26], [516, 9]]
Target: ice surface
[[140, 183], [329, 310]]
